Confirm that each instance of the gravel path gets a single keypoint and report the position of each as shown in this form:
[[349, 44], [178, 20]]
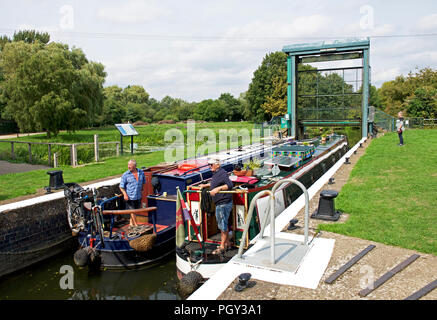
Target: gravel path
[[11, 167]]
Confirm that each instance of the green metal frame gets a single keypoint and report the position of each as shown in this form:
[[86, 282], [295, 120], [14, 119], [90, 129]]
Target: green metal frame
[[326, 51]]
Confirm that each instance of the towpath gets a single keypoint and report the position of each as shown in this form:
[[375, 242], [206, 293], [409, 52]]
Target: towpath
[[373, 265]]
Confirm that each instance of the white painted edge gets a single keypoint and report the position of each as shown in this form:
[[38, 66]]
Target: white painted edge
[[313, 266], [53, 196], [308, 275]]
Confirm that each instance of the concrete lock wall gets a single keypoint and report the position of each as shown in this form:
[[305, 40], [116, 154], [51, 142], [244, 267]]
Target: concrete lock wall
[[32, 233]]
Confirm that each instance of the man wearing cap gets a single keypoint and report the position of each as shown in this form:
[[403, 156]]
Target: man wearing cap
[[223, 201]]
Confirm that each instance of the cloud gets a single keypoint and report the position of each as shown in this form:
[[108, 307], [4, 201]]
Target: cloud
[[201, 68], [132, 12], [385, 74], [428, 23]]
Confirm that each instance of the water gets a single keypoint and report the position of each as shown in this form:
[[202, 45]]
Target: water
[[42, 282]]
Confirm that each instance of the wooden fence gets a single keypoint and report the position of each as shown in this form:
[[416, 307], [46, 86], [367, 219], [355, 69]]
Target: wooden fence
[[73, 149]]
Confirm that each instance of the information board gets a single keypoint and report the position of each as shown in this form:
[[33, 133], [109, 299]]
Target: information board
[[126, 129]]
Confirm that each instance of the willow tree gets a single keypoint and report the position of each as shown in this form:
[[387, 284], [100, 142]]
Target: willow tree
[[49, 87]]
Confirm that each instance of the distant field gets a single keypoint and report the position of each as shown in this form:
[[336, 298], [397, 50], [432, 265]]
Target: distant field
[[391, 193]]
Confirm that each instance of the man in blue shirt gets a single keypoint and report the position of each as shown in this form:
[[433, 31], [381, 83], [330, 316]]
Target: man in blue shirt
[[131, 185], [223, 202]]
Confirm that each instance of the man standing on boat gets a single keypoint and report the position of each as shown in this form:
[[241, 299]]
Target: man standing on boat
[[223, 201], [131, 185]]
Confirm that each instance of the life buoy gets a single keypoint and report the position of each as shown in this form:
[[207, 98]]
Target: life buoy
[[187, 166]]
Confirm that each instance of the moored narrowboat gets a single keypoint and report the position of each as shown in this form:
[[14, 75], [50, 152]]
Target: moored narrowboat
[[304, 161]]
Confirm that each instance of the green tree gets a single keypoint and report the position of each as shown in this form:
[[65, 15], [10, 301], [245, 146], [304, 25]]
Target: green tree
[[274, 65], [276, 102], [423, 103], [234, 108], [49, 87], [31, 36]]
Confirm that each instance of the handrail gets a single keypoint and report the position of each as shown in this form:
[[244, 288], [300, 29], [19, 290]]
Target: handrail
[[272, 225], [276, 186], [271, 212], [141, 211]]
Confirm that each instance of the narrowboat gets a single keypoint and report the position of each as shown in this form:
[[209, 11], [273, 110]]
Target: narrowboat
[[305, 161], [101, 224]]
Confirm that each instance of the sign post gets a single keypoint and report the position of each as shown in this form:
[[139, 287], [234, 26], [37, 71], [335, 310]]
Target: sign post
[[127, 129]]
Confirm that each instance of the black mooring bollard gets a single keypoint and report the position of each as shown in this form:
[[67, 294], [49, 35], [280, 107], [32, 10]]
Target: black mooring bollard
[[56, 180], [347, 161], [326, 209]]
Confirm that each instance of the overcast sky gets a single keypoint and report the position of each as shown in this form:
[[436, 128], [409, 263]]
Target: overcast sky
[[198, 49]]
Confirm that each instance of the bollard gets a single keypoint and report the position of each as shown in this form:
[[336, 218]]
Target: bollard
[[56, 181], [347, 161], [326, 209]]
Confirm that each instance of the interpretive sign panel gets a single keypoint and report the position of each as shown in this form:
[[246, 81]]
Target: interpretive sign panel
[[126, 129]]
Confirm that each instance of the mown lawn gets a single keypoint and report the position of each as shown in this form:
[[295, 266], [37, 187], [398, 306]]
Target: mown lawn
[[391, 194]]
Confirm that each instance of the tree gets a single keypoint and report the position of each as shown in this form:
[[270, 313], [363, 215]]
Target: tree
[[31, 36], [273, 66], [423, 103], [135, 94], [413, 93], [276, 102], [234, 108], [49, 87]]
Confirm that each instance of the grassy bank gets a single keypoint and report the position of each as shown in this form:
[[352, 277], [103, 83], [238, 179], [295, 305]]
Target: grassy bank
[[391, 193]]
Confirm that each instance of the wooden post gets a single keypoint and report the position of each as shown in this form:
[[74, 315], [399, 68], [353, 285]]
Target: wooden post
[[55, 160], [96, 147], [30, 152], [49, 155], [12, 151], [117, 149], [73, 155]]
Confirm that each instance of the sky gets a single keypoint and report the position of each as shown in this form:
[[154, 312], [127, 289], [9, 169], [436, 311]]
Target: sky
[[199, 49]]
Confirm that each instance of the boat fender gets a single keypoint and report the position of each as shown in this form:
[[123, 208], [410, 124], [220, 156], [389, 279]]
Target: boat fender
[[143, 243], [81, 257], [95, 260], [156, 184], [190, 282]]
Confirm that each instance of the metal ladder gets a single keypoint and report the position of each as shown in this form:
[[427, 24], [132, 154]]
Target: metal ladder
[[271, 212]]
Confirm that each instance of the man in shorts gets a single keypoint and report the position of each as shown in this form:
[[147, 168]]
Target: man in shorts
[[223, 202]]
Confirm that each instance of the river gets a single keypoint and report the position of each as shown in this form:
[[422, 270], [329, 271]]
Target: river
[[45, 281]]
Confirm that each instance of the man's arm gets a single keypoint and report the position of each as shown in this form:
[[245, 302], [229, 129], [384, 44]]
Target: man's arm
[[214, 191], [125, 196]]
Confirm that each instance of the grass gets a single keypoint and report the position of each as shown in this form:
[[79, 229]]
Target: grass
[[391, 193]]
